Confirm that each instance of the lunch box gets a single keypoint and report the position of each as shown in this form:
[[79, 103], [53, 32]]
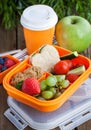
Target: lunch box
[[42, 105]]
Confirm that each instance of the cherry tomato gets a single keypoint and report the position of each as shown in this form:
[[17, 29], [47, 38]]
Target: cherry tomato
[[61, 67], [70, 63]]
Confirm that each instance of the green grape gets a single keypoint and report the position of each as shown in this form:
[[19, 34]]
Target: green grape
[[47, 94], [53, 90], [60, 78], [51, 81], [43, 85], [65, 83]]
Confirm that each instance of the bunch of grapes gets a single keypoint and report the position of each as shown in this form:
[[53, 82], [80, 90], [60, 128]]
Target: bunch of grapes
[[53, 86]]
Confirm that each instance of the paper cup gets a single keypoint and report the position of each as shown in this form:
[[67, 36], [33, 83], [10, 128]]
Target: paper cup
[[38, 22]]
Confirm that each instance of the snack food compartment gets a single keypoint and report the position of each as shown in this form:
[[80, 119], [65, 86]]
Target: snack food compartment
[[2, 74], [50, 105]]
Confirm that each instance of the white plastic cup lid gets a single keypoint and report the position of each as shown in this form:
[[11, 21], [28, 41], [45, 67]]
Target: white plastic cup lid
[[38, 17]]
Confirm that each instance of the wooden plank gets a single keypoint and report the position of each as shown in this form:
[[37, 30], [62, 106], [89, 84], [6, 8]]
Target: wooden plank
[[7, 39], [4, 123], [20, 36]]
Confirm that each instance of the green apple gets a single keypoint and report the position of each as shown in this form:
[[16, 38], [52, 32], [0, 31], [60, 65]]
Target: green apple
[[73, 33]]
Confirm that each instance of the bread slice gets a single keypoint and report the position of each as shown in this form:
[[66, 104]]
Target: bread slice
[[51, 50], [46, 58], [51, 54], [37, 60]]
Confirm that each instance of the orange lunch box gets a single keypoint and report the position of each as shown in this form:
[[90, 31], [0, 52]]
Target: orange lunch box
[[2, 74], [41, 105]]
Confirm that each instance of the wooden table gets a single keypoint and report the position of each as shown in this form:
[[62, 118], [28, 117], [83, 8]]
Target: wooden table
[[13, 39]]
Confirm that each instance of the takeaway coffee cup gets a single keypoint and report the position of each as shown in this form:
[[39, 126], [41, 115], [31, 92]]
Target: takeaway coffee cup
[[38, 22]]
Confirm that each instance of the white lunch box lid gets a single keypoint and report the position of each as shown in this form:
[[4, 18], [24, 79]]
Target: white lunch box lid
[[38, 17], [49, 120]]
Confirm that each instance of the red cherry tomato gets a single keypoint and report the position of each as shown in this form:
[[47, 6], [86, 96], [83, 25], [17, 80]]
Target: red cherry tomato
[[70, 63], [61, 67]]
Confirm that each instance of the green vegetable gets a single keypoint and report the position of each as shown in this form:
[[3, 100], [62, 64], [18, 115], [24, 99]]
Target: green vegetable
[[78, 71], [19, 85], [69, 56]]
